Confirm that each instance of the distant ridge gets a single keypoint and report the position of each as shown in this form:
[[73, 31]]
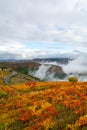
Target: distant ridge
[[60, 60]]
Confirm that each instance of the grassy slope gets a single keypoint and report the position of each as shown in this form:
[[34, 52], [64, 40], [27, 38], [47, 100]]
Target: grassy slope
[[43, 106], [22, 78]]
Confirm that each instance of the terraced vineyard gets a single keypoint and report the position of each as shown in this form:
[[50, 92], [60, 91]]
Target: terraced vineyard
[[43, 106]]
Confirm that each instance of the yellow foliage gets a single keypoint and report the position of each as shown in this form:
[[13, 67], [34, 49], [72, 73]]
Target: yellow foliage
[[58, 105]]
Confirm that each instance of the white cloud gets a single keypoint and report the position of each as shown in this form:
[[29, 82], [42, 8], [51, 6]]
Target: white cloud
[[78, 65], [41, 20]]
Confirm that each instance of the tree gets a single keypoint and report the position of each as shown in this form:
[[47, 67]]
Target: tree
[[73, 80]]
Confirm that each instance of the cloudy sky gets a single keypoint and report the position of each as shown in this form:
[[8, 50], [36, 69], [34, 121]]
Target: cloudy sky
[[42, 28]]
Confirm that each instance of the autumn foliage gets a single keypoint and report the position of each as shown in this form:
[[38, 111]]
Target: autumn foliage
[[43, 106]]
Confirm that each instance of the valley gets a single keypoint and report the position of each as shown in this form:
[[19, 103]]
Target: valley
[[33, 70], [56, 69]]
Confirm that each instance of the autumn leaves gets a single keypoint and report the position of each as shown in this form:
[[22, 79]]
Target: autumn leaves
[[44, 106]]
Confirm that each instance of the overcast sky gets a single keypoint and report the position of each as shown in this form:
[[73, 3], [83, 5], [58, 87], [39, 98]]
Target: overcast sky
[[42, 28]]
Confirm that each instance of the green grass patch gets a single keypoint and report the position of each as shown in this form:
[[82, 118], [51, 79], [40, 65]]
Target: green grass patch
[[2, 94]]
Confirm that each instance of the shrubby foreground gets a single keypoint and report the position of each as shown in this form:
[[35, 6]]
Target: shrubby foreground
[[43, 106]]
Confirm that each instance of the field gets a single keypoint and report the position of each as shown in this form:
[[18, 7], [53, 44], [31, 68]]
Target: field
[[43, 106]]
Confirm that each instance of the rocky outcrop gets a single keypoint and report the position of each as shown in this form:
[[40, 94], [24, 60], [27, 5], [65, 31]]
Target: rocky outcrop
[[47, 72]]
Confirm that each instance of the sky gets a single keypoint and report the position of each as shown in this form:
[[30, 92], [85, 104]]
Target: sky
[[42, 28]]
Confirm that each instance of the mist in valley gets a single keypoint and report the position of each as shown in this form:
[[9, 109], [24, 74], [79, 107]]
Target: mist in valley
[[76, 67]]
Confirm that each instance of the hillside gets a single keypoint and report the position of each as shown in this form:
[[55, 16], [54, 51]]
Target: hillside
[[46, 72], [10, 76], [46, 69], [22, 78], [43, 106]]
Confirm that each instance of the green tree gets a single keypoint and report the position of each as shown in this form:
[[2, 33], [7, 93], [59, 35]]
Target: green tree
[[73, 80]]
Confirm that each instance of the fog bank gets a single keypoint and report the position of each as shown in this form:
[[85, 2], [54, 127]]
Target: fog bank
[[78, 65]]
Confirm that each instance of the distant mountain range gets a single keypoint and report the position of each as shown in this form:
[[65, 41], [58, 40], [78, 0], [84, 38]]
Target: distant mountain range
[[60, 60]]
